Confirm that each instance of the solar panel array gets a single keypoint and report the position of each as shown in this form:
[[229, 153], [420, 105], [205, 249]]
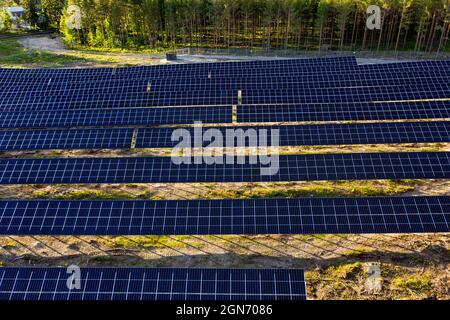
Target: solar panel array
[[119, 117], [238, 216], [304, 167], [103, 284], [289, 135], [69, 108], [438, 109]]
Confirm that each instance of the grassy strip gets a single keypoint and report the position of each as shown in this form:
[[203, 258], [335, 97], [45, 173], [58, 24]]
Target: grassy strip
[[13, 54], [322, 189]]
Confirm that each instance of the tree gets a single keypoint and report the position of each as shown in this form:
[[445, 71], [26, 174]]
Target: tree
[[5, 20], [31, 13], [53, 10]]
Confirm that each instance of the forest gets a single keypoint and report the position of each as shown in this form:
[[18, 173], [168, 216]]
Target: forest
[[413, 25]]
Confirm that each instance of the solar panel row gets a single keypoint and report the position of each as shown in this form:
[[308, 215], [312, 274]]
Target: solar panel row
[[237, 216], [315, 78], [305, 167], [126, 100], [67, 139], [99, 284], [117, 117], [269, 71], [167, 89], [223, 97], [346, 60], [438, 109], [289, 135], [185, 73]]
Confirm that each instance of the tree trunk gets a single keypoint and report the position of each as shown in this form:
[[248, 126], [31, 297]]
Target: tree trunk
[[399, 29]]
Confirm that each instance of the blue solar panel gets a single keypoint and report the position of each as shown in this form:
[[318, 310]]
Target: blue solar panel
[[129, 100], [124, 117], [245, 72], [166, 89], [100, 284], [345, 111], [321, 80], [328, 134], [66, 139], [218, 68], [237, 216], [361, 166], [340, 95], [345, 60], [289, 135]]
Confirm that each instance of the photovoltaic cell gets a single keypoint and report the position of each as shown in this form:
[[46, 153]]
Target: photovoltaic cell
[[139, 96], [289, 135], [276, 68], [237, 216], [345, 111], [66, 139], [129, 100], [299, 135], [118, 117], [339, 95], [100, 284], [350, 60], [306, 167], [316, 80]]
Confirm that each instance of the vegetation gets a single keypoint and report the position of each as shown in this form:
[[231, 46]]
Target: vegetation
[[321, 189], [90, 194], [420, 25], [148, 241], [12, 53]]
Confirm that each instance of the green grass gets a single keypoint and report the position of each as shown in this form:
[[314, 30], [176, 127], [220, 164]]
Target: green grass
[[417, 286], [325, 189], [148, 241], [91, 194], [13, 54]]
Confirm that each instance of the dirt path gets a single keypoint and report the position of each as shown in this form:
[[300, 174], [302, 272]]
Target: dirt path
[[55, 45]]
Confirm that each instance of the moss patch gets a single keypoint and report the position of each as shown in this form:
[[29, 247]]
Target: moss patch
[[148, 241], [413, 286], [91, 194], [322, 189]]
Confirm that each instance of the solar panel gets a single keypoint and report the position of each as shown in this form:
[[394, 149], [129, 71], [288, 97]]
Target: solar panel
[[289, 135], [331, 95], [117, 117], [223, 65], [237, 216], [277, 69], [314, 80], [346, 111], [129, 100], [100, 284], [305, 167], [67, 139], [223, 97], [248, 84], [298, 135], [219, 68]]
